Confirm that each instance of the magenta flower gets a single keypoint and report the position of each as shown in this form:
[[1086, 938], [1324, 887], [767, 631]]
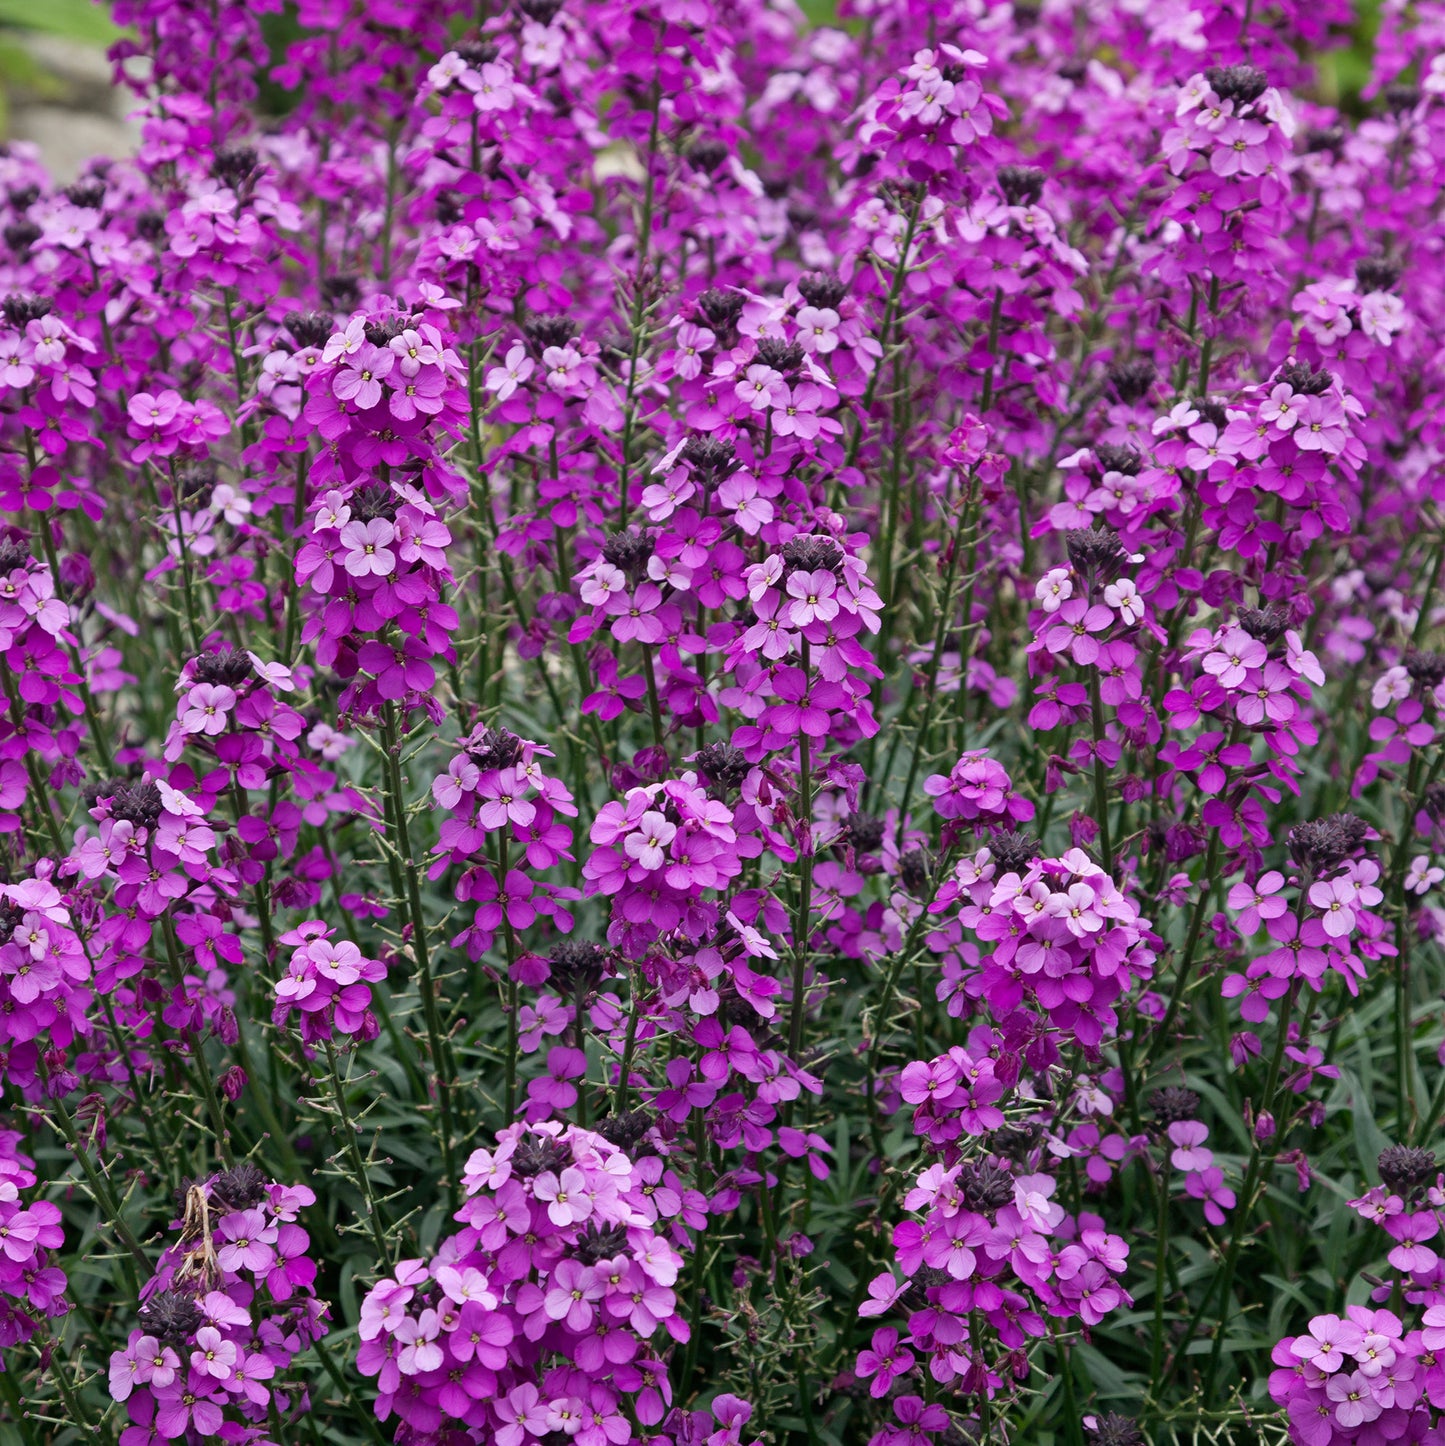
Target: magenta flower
[[360, 376], [884, 1361], [565, 1196], [367, 552]]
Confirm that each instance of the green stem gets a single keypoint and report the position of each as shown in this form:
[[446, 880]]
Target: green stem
[[802, 918], [654, 704], [103, 1196], [425, 983], [1101, 773], [619, 1098], [1260, 1159], [1161, 1261], [940, 633], [1191, 944], [363, 1180]]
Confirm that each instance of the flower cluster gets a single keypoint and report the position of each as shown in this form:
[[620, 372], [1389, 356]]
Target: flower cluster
[[1066, 941], [543, 1313], [993, 1256], [658, 854], [227, 1309], [946, 500], [328, 984], [30, 1234]]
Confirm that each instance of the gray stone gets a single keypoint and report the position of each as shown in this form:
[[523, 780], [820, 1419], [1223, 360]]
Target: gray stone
[[69, 138], [80, 114]]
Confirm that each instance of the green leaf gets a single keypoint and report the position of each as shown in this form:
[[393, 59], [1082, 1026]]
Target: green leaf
[[1370, 1139]]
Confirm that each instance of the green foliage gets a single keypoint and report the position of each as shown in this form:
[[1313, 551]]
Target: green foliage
[[79, 20]]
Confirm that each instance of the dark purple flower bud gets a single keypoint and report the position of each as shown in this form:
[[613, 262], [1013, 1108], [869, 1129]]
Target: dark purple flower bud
[[20, 308], [173, 1317], [1021, 185], [1374, 273], [821, 288], [1112, 1430], [1173, 1104], [1241, 83], [239, 1188], [652, 763], [77, 577], [706, 154], [550, 330], [1405, 1168]]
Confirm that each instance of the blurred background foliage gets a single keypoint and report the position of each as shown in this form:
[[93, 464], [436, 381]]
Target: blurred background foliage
[[25, 73], [29, 75]]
